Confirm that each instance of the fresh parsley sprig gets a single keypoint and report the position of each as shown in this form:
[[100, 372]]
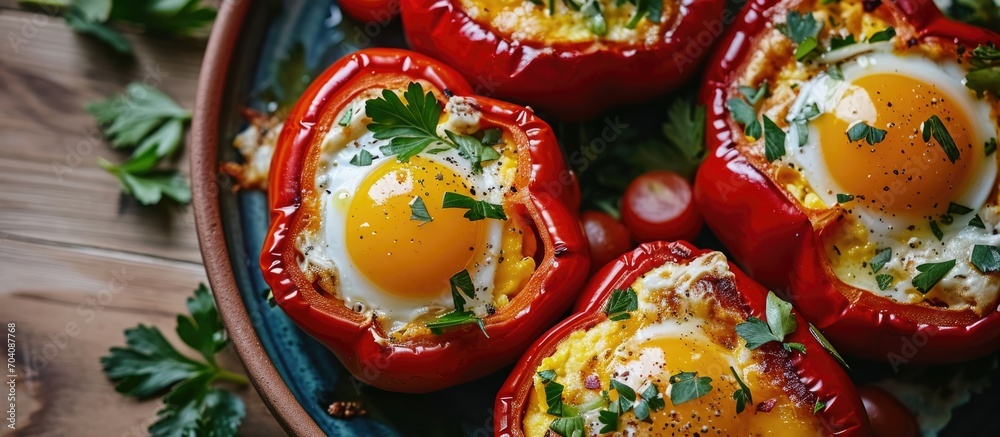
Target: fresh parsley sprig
[[621, 303], [742, 395], [803, 29], [149, 365], [688, 386], [477, 209], [779, 322]]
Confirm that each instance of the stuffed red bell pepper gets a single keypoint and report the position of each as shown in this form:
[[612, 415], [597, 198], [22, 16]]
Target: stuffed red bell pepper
[[424, 234], [852, 159], [574, 58], [672, 340]]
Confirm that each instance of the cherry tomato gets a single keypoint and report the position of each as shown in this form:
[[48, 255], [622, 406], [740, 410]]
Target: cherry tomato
[[888, 416], [658, 206], [608, 238], [365, 11]]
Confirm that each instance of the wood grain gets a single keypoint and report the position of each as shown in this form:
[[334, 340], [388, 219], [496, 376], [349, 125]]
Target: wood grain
[[66, 236]]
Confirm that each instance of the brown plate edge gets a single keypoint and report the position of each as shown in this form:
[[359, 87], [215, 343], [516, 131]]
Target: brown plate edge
[[208, 222]]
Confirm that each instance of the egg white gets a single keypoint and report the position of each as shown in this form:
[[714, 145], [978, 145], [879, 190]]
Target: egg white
[[336, 182]]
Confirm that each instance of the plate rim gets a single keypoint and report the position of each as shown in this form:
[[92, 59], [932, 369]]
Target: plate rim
[[203, 160]]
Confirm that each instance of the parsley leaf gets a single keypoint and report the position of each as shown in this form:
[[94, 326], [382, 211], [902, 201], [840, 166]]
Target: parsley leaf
[[685, 129], [78, 20], [461, 281], [688, 386], [742, 395], [150, 365], [621, 303], [745, 115], [477, 209], [837, 42], [418, 211], [626, 396], [456, 318], [651, 401], [469, 147], [755, 332], [779, 316], [844, 198], [954, 208], [362, 159], [774, 140], [984, 76], [835, 72], [935, 127], [754, 95], [991, 146], [651, 9], [930, 274], [826, 345], [883, 280], [819, 406], [568, 426], [871, 134], [175, 17], [882, 256], [345, 120], [805, 48], [148, 186], [798, 26], [936, 230], [409, 127], [977, 222], [492, 136], [986, 258], [608, 418], [553, 394], [142, 118], [883, 35]]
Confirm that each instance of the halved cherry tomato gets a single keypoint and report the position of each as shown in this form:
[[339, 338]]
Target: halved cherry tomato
[[658, 206], [608, 238], [380, 11], [888, 416]]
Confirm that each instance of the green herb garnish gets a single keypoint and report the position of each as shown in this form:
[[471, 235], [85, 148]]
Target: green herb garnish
[[553, 393], [621, 303], [477, 209], [780, 322], [871, 134], [984, 76], [826, 345], [688, 386], [410, 127], [837, 42], [798, 26], [882, 256], [883, 280], [774, 140], [936, 230], [568, 426], [745, 115], [991, 146], [818, 406], [742, 395], [986, 258], [977, 222], [883, 35], [934, 127], [363, 159], [469, 147], [149, 365], [754, 95], [456, 318], [844, 198], [651, 9], [930, 274], [806, 47]]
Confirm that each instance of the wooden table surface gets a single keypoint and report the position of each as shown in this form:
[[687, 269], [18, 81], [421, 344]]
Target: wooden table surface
[[66, 234]]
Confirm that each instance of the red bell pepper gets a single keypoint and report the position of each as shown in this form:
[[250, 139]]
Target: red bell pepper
[[366, 11], [774, 240], [547, 196], [575, 80], [820, 374]]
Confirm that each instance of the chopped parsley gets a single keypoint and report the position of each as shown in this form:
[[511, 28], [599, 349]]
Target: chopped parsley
[[837, 42], [362, 159], [471, 148], [977, 222], [492, 136], [883, 35], [871, 134], [745, 115], [835, 72], [986, 258], [819, 406], [934, 127], [882, 256], [650, 9], [477, 209], [930, 274], [883, 280], [806, 47], [621, 303], [456, 318], [936, 230], [798, 26], [568, 426], [346, 119], [742, 395], [991, 146], [984, 76], [688, 386], [461, 281], [754, 95], [774, 140], [553, 392], [844, 198], [954, 208]]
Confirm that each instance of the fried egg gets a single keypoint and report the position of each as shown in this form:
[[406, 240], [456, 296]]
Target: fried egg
[[898, 192], [680, 326], [381, 259]]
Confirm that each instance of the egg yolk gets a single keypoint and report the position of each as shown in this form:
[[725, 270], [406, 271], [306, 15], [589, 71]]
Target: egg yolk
[[404, 255], [902, 175], [715, 412]]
